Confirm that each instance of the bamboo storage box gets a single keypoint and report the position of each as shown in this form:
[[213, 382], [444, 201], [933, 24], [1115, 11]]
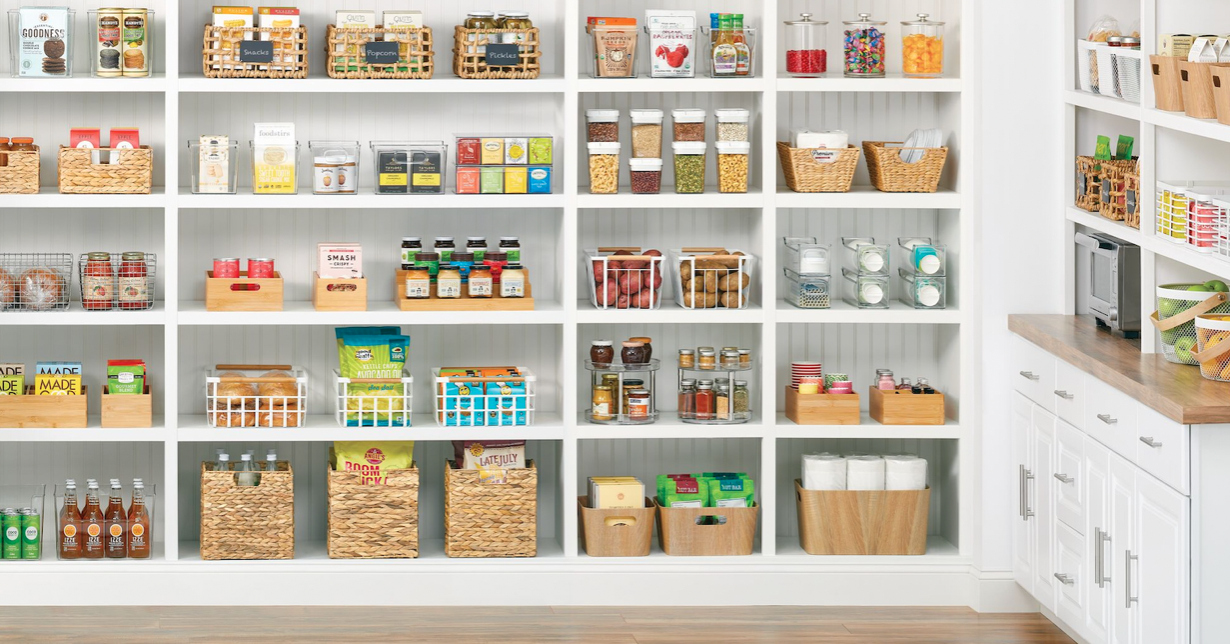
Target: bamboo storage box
[[19, 176], [129, 173], [45, 412], [496, 517], [680, 535], [822, 409], [1221, 93], [127, 410], [243, 294], [346, 52], [369, 521], [248, 522], [349, 294], [1167, 87], [905, 408], [809, 170], [1196, 79], [465, 302], [616, 533], [858, 522], [220, 54]]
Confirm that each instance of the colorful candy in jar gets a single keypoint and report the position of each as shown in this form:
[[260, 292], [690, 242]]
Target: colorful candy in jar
[[864, 47]]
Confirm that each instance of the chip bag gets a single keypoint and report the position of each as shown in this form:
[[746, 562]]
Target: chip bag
[[372, 459], [373, 352]]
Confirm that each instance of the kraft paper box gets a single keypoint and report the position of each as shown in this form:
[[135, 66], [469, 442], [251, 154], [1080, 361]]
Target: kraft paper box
[[57, 385]]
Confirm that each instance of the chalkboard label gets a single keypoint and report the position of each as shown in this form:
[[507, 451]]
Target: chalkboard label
[[503, 55], [1080, 184], [256, 51], [382, 53], [1130, 198]]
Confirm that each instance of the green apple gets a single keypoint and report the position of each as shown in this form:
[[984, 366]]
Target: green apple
[[1217, 286], [1199, 288], [1170, 337], [1183, 349], [1168, 308]]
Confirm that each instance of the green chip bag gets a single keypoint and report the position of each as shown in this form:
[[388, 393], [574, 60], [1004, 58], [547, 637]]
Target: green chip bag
[[373, 352]]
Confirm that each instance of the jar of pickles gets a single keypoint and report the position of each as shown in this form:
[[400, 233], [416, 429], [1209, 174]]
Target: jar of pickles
[[480, 20], [519, 20], [922, 48], [864, 47]]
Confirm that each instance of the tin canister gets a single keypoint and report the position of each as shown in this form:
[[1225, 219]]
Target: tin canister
[[136, 42], [226, 267], [10, 544], [109, 44], [260, 268]]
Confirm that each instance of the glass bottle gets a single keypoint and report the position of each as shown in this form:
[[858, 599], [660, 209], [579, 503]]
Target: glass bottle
[[133, 290], [70, 523], [603, 400], [905, 385], [705, 401], [223, 463], [116, 523], [93, 524], [138, 523], [687, 398], [743, 51], [271, 461], [97, 282], [247, 476]]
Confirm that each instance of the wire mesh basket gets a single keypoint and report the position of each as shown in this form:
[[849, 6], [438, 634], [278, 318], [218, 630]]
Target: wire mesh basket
[[712, 278], [1087, 65], [256, 396], [1205, 217], [1177, 308], [117, 281], [473, 399], [1213, 340], [35, 281], [1126, 69], [374, 402], [625, 277]]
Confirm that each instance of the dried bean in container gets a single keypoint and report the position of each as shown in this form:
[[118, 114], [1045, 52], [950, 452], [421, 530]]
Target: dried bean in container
[[603, 173], [646, 141], [732, 173], [603, 132], [647, 182], [689, 131], [732, 131], [689, 173]]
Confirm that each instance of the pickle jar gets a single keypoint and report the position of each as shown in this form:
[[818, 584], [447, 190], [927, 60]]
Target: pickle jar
[[806, 55], [864, 51], [922, 48]]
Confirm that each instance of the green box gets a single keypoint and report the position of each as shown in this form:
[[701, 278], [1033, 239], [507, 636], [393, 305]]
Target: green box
[[125, 379], [491, 181]]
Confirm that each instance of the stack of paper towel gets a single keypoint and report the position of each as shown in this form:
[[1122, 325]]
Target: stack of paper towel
[[826, 471]]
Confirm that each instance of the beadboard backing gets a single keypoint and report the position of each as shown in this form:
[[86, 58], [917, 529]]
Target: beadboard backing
[[647, 458], [290, 237], [84, 32]]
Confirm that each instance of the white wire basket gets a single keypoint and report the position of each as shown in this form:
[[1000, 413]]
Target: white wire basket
[[1172, 205], [474, 400], [1221, 247], [117, 283], [35, 281], [1087, 65], [631, 281], [1126, 69], [715, 278], [386, 403], [1206, 215], [256, 396]]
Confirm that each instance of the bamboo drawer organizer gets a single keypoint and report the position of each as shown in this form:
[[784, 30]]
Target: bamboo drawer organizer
[[131, 172], [346, 53], [680, 535], [127, 410], [20, 175], [349, 294], [465, 302], [616, 533], [468, 62], [220, 53], [857, 522], [822, 409], [243, 294], [905, 408], [44, 412]]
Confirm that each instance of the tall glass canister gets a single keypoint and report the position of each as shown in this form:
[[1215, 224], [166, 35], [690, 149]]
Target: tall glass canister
[[922, 47], [806, 55], [864, 47]]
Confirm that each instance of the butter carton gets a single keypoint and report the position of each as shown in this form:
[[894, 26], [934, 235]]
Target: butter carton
[[214, 167], [274, 152], [234, 17], [57, 385], [285, 20]]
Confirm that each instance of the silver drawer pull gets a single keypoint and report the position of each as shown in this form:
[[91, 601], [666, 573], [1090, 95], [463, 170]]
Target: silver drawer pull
[[1064, 579], [1148, 440], [1127, 574], [1064, 478], [1099, 558], [1063, 394], [1029, 375], [1106, 418]]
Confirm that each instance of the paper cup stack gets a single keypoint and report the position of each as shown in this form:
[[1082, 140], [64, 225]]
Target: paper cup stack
[[800, 370]]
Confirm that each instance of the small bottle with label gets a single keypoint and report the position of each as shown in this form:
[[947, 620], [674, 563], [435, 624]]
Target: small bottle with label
[[410, 246], [480, 282], [448, 282]]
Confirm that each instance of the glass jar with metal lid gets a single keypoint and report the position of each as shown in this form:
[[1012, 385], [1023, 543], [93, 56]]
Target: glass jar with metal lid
[[922, 47], [806, 52], [515, 20], [630, 385], [480, 20], [864, 51]]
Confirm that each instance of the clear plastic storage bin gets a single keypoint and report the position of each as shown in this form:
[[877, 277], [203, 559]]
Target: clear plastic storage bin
[[274, 170], [127, 50], [924, 257], [865, 291], [335, 167], [865, 256], [409, 167], [42, 57], [215, 165], [923, 291]]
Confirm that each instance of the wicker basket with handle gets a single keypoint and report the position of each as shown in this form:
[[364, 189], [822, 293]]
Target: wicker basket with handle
[[20, 175], [806, 172], [491, 519], [248, 522], [890, 174], [131, 174], [373, 521], [468, 62], [220, 53], [346, 55]]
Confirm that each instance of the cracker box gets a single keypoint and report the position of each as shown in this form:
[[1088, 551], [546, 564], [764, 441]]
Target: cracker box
[[58, 368], [273, 158], [57, 385], [238, 17], [43, 42], [214, 175], [339, 260], [358, 18], [285, 20]]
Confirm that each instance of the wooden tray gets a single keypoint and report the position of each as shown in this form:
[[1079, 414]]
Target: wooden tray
[[339, 294], [220, 296], [822, 409], [633, 539], [905, 408], [465, 302], [856, 522], [45, 412], [679, 535], [127, 410]]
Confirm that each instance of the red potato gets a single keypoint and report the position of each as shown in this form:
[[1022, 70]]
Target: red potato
[[636, 264], [623, 302], [646, 299], [653, 252], [630, 283], [622, 252], [657, 281], [608, 293]]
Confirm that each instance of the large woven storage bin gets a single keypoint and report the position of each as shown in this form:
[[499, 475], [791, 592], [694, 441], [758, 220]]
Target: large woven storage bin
[[490, 519], [20, 175], [220, 60], [346, 57], [472, 64], [890, 174], [804, 173], [373, 521], [132, 174], [250, 522]]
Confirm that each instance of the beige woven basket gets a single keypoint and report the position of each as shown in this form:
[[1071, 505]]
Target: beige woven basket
[[490, 519], [890, 174], [220, 57], [1116, 176], [373, 521], [346, 58], [249, 522], [805, 174], [469, 63], [132, 174], [20, 175]]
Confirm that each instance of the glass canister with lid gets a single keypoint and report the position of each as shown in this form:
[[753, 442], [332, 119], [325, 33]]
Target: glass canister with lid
[[806, 53], [480, 20], [864, 47], [922, 47], [519, 20]]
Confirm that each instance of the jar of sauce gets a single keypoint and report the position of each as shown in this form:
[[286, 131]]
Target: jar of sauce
[[687, 398], [515, 20], [478, 246], [705, 401], [638, 404], [601, 353], [707, 359], [480, 282], [687, 359], [633, 353], [462, 261], [134, 282], [18, 144], [497, 261], [418, 282], [97, 282], [730, 359], [445, 247], [448, 282], [511, 246], [410, 246], [603, 400], [430, 261], [648, 347], [630, 385]]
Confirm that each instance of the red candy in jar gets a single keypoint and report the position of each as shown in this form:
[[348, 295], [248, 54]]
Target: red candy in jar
[[226, 267], [260, 268], [807, 61]]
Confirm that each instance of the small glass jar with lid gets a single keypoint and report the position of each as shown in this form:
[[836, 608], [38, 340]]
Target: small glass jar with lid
[[706, 359], [630, 385], [745, 358], [922, 47], [864, 55], [601, 353], [448, 282], [687, 398], [742, 400], [480, 20], [806, 52], [603, 402], [634, 353], [480, 284], [648, 342], [730, 359], [687, 359]]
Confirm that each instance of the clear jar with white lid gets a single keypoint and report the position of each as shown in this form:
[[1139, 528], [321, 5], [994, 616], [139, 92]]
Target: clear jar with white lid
[[646, 133], [603, 168], [646, 175], [732, 123], [689, 124], [335, 167], [689, 166], [602, 126], [733, 165]]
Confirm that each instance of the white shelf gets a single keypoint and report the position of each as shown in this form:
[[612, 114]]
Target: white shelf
[[443, 82], [836, 82], [84, 83], [379, 312], [670, 85], [324, 427], [1178, 121], [669, 313], [843, 313], [94, 433], [366, 200], [1104, 104], [868, 197], [75, 315], [48, 197], [1181, 253], [940, 551], [669, 426], [711, 198], [868, 428]]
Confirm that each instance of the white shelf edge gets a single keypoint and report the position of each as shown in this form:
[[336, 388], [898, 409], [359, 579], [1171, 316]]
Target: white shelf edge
[[1104, 104], [1206, 128], [668, 425], [843, 313], [84, 83], [834, 81], [868, 428], [868, 197], [669, 313], [299, 312], [710, 198], [365, 200], [644, 84], [75, 315], [442, 82], [324, 427], [93, 433], [49, 197]]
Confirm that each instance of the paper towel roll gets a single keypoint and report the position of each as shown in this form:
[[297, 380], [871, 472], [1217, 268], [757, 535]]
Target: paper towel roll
[[905, 472], [824, 472], [864, 473]]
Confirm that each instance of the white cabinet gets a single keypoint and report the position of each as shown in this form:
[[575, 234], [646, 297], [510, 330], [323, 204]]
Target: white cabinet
[[1069, 575], [1110, 417], [1043, 522], [1122, 524], [1069, 481], [1163, 449], [1158, 567], [1022, 464], [1095, 624], [1033, 373], [1069, 394]]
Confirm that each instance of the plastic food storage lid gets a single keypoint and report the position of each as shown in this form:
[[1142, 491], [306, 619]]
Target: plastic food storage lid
[[603, 148], [644, 165], [806, 20], [688, 147], [734, 147], [602, 116], [871, 293], [646, 116], [732, 115], [863, 19], [688, 115], [921, 22]]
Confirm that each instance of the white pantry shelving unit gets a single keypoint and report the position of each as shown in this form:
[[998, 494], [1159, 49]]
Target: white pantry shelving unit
[[180, 339]]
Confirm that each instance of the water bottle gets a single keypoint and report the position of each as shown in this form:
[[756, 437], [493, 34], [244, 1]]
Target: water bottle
[[248, 476], [271, 461]]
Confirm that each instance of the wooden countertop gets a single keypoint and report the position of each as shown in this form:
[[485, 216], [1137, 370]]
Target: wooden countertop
[[1176, 391]]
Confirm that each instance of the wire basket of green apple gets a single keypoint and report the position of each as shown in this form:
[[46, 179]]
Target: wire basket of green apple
[[1177, 308]]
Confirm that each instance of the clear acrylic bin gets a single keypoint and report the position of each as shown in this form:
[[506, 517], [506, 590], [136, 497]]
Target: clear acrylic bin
[[663, 55], [215, 166], [613, 60], [127, 51], [53, 526], [335, 167], [38, 60], [273, 173], [865, 256], [923, 256], [864, 291], [356, 409], [409, 167], [744, 64], [808, 290], [21, 538], [923, 291]]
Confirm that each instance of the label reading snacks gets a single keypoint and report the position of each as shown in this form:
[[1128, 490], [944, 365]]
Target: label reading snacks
[[256, 51]]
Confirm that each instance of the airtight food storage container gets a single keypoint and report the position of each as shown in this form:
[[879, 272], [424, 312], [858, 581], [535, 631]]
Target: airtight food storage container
[[806, 53]]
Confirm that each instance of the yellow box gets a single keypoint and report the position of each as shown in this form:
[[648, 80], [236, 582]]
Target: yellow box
[[493, 151], [516, 180], [612, 496], [52, 385]]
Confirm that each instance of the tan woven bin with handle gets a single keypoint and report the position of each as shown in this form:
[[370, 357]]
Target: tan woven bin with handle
[[132, 175], [804, 173], [373, 521], [468, 62], [220, 52], [890, 174], [487, 519], [345, 54], [20, 175], [248, 522]]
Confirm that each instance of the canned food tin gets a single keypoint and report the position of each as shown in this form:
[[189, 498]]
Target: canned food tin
[[226, 267], [136, 42], [260, 268]]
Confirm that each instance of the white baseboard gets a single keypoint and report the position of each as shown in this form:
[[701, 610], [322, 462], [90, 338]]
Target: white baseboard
[[998, 592], [1063, 626]]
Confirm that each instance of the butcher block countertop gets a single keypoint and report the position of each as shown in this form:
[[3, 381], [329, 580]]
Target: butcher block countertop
[[1174, 390]]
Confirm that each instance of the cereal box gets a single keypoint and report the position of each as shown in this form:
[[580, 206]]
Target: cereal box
[[273, 158]]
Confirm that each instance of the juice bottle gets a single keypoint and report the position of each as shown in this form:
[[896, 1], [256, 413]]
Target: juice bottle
[[70, 523], [92, 523], [743, 53], [724, 53], [116, 523], [138, 523]]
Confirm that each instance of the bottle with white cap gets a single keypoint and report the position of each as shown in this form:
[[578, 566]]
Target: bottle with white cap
[[924, 256], [247, 476], [865, 291], [222, 463], [866, 256], [271, 461]]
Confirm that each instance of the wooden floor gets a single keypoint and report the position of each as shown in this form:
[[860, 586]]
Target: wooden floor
[[525, 625]]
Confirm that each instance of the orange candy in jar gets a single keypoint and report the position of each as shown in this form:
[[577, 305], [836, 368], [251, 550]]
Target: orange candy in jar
[[922, 47]]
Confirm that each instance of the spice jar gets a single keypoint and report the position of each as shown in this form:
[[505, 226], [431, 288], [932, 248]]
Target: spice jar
[[638, 405], [633, 353], [601, 353], [689, 124], [733, 165], [732, 123], [864, 40], [602, 126], [133, 287], [707, 359], [462, 262], [410, 246], [806, 54], [430, 261], [742, 398], [603, 168], [689, 167], [478, 246], [745, 358], [885, 380], [444, 247], [648, 347], [687, 398], [705, 401], [512, 281], [480, 282], [922, 48], [730, 359], [418, 283], [646, 176], [646, 133], [721, 403], [511, 247], [603, 400], [97, 282], [687, 359], [496, 261], [448, 282]]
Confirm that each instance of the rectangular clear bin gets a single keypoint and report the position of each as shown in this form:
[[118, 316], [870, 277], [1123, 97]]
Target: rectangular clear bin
[[923, 291], [409, 167], [737, 61], [22, 534], [629, 280], [711, 278], [808, 290], [491, 401], [256, 396], [42, 58], [613, 49], [215, 165], [335, 167], [864, 291], [603, 168], [53, 525], [923, 256], [733, 161], [865, 256], [128, 50], [274, 171], [804, 255], [374, 402]]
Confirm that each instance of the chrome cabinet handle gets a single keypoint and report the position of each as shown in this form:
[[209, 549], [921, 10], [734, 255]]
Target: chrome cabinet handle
[[1127, 577], [1029, 375], [1107, 419], [1026, 477], [1063, 394], [1064, 579], [1064, 478], [1099, 558], [1148, 440]]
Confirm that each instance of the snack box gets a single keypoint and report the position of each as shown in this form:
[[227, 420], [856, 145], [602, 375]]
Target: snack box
[[339, 260], [58, 368]]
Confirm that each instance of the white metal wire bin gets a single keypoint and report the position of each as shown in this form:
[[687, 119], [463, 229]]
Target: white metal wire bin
[[256, 396], [631, 280], [473, 400], [374, 402], [35, 281], [711, 278]]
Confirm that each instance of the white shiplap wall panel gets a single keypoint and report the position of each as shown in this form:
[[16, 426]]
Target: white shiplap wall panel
[[84, 32], [647, 458], [290, 238]]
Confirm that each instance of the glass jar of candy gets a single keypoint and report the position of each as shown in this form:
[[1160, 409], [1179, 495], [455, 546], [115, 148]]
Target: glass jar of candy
[[805, 52], [864, 47], [922, 48]]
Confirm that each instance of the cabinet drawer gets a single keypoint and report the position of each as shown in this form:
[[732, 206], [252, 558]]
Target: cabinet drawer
[[1163, 449], [1070, 394], [1069, 575], [1069, 483], [1033, 373], [1110, 417]]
